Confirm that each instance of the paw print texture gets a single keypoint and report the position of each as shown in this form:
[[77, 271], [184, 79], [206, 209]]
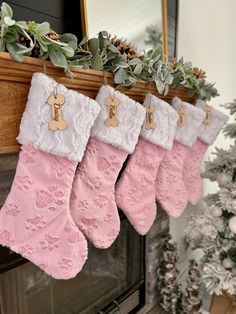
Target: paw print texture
[[100, 200], [52, 198], [23, 183], [108, 165], [12, 209], [28, 155], [92, 147], [65, 263], [89, 225], [26, 250], [94, 183], [135, 196], [94, 210], [35, 223], [62, 166], [50, 242], [6, 237]]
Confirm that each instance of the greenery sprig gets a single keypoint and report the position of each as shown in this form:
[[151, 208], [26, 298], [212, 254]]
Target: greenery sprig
[[29, 39]]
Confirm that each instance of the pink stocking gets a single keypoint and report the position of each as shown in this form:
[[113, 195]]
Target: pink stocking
[[135, 192], [35, 220], [191, 175], [92, 201], [170, 188], [207, 135], [92, 205]]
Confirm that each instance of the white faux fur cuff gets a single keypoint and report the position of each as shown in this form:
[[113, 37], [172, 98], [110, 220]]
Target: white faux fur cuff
[[130, 115], [209, 132], [165, 118], [78, 111], [194, 117]]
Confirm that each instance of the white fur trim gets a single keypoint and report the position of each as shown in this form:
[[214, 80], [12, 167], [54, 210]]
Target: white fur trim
[[209, 132], [188, 134], [130, 115], [79, 112], [165, 118]]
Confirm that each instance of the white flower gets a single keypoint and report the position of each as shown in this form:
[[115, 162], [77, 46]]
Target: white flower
[[8, 21]]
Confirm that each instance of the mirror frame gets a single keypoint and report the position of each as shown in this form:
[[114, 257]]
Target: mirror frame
[[165, 50]]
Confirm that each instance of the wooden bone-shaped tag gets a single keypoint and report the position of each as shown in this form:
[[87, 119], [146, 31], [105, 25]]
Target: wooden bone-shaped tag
[[182, 117], [112, 105], [150, 123], [56, 102], [208, 111]]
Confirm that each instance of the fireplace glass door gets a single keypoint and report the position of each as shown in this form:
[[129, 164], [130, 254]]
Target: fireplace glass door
[[108, 279]]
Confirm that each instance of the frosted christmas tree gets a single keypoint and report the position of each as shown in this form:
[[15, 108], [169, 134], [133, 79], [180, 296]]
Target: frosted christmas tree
[[168, 287], [215, 231], [192, 299]]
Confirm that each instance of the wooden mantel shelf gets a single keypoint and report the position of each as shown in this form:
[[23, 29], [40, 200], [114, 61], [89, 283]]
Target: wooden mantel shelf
[[15, 80]]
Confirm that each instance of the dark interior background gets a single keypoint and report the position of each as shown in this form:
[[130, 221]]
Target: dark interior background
[[63, 16]]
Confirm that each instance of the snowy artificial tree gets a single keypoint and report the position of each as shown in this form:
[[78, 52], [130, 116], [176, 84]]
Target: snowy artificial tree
[[168, 287], [192, 298], [215, 231]]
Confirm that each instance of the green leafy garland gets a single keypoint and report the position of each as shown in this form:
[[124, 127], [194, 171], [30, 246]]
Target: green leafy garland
[[24, 38]]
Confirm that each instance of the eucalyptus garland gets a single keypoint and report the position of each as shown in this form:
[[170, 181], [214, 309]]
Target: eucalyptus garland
[[33, 39]]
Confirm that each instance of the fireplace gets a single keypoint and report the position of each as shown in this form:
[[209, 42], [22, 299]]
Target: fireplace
[[121, 279], [109, 279]]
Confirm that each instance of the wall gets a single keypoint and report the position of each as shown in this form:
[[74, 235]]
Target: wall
[[124, 19], [206, 37], [63, 16]]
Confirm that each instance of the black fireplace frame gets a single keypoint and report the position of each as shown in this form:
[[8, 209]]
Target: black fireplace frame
[[115, 304], [10, 259]]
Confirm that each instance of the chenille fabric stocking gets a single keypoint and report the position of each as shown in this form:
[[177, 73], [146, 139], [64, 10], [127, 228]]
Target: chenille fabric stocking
[[35, 220], [170, 188], [135, 191], [208, 132], [92, 205]]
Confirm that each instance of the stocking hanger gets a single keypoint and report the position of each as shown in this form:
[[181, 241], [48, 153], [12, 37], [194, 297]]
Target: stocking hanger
[[105, 83]]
